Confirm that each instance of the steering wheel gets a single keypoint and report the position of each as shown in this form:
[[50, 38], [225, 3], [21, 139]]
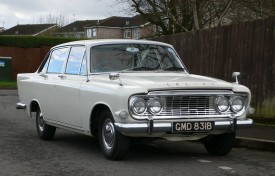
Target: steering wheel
[[107, 66]]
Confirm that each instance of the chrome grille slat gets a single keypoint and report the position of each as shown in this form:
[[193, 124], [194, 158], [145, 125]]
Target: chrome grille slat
[[188, 105]]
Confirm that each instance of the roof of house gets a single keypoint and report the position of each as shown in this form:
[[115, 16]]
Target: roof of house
[[137, 21], [27, 29], [116, 21], [77, 26]]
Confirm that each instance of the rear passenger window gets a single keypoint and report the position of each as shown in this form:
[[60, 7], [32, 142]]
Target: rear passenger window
[[57, 60], [75, 59]]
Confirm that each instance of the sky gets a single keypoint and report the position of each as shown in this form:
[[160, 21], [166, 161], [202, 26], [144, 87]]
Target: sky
[[13, 12]]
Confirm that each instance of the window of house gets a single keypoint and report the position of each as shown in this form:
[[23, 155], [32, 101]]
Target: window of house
[[94, 32], [127, 33], [137, 33], [57, 60], [75, 60], [89, 33]]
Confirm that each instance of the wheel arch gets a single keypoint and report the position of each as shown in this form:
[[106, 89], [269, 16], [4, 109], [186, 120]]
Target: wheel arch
[[34, 105], [94, 117]]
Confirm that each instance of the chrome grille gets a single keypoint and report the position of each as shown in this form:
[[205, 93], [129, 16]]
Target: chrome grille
[[188, 106]]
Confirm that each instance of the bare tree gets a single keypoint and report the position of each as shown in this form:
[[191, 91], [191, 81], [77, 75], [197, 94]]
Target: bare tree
[[174, 16], [59, 19]]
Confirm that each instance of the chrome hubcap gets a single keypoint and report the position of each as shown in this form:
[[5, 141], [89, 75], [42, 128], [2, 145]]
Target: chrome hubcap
[[108, 134], [41, 123]]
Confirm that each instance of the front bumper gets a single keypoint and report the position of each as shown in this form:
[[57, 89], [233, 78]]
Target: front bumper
[[151, 126]]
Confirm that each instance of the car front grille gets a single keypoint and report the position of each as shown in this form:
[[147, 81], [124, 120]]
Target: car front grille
[[190, 105]]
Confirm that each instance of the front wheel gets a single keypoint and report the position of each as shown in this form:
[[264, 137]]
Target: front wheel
[[44, 131], [113, 144], [219, 145]]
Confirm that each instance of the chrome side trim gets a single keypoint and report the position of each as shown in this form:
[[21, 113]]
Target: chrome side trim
[[21, 106], [67, 127], [225, 125]]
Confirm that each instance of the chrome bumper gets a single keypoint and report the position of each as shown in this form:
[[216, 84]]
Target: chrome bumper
[[225, 125], [20, 106]]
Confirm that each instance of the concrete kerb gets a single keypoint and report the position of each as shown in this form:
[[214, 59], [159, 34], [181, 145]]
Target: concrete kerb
[[253, 143]]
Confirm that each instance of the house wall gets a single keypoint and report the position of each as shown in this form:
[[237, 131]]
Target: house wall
[[70, 34], [109, 33]]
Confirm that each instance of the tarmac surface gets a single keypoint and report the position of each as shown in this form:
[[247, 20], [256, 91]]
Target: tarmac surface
[[261, 137]]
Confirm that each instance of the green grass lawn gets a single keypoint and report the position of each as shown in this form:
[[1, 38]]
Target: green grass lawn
[[8, 85]]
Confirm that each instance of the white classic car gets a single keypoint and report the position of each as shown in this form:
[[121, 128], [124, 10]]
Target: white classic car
[[116, 90]]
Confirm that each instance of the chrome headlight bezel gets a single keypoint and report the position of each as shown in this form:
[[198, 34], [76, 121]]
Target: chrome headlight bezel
[[232, 100], [134, 107], [152, 104], [218, 103]]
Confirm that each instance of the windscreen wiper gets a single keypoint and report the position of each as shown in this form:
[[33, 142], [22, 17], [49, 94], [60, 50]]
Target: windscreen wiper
[[174, 69]]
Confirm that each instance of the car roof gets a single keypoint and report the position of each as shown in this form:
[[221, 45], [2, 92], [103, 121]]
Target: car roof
[[111, 41]]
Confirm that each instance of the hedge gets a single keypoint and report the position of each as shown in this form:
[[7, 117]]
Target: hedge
[[32, 41]]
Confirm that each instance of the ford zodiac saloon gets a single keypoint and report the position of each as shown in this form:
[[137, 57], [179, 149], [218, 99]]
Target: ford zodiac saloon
[[118, 90]]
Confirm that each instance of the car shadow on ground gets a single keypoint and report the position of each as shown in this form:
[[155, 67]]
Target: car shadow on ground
[[139, 150]]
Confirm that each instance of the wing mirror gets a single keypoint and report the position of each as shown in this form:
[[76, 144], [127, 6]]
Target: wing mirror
[[115, 76], [235, 75]]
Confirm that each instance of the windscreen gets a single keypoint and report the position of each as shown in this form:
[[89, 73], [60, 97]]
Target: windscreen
[[134, 57]]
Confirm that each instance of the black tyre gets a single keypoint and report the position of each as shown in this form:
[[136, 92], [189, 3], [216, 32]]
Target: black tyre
[[44, 131], [113, 144], [219, 145]]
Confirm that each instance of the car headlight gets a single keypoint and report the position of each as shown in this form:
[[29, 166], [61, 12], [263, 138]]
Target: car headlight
[[221, 104], [237, 104], [139, 106], [154, 106]]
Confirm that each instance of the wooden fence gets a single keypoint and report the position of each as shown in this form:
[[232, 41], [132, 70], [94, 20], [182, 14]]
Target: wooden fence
[[248, 48], [24, 60]]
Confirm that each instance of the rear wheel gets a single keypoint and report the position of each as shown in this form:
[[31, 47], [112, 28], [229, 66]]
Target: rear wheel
[[219, 145], [44, 131], [114, 145]]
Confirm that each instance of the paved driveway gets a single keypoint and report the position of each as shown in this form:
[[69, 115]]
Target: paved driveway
[[22, 153]]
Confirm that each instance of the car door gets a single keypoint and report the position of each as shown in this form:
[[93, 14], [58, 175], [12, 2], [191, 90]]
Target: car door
[[68, 88], [46, 80]]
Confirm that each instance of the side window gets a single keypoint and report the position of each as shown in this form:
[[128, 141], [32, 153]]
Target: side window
[[57, 60], [75, 60]]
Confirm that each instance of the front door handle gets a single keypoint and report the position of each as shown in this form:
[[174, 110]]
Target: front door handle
[[62, 76], [43, 75]]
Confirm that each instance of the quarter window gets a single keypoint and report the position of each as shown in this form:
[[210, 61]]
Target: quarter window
[[57, 60], [83, 67], [75, 60]]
